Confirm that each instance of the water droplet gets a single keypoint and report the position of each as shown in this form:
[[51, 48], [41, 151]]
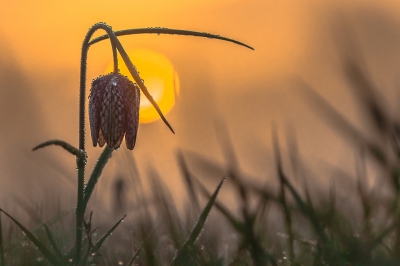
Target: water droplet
[[120, 263], [39, 259], [70, 260]]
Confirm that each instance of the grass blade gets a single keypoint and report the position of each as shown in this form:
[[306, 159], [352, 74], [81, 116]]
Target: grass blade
[[68, 147], [282, 178], [367, 95], [379, 238], [203, 216], [158, 30], [104, 237], [52, 242], [180, 257], [2, 262], [305, 208], [45, 251], [235, 223], [167, 210], [233, 166], [30, 210], [188, 181], [94, 177], [135, 256], [341, 123]]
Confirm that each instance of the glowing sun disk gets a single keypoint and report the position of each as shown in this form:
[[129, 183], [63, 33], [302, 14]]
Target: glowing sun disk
[[159, 77]]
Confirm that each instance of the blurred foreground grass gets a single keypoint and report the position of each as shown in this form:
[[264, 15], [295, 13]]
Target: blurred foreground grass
[[288, 224]]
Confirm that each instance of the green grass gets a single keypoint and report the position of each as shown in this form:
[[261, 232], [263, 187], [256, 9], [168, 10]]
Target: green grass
[[288, 224]]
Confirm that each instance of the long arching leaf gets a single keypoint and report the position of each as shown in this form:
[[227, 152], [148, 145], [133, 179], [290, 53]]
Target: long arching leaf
[[158, 30], [94, 177], [180, 257], [104, 237], [132, 68], [45, 251], [68, 147]]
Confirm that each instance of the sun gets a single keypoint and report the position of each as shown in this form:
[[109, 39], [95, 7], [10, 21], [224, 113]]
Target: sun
[[159, 77]]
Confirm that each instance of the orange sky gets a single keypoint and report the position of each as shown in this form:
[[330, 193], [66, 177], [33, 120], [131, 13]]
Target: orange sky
[[42, 40], [49, 33]]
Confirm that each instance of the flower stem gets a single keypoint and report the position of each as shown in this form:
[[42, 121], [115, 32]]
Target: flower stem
[[2, 262], [79, 208], [81, 160], [115, 57]]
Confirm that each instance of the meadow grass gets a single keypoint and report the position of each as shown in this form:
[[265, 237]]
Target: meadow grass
[[284, 227], [289, 224]]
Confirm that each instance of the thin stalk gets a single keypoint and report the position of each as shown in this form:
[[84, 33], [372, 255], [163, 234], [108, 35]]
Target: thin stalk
[[79, 209], [115, 58], [2, 262], [81, 160]]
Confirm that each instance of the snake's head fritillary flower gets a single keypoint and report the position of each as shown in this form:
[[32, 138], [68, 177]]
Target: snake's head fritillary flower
[[114, 111]]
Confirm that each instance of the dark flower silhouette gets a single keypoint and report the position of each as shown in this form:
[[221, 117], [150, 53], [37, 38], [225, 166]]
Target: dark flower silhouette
[[114, 111]]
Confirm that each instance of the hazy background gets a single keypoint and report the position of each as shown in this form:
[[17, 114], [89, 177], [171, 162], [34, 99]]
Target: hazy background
[[39, 73]]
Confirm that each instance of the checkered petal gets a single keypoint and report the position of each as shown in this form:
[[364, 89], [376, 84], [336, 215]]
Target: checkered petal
[[114, 111]]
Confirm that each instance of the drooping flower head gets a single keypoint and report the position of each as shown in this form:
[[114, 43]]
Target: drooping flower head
[[114, 111]]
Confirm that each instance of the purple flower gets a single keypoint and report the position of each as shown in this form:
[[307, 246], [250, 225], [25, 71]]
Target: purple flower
[[114, 111]]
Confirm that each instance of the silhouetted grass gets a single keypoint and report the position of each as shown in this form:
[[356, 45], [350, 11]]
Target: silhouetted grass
[[290, 225]]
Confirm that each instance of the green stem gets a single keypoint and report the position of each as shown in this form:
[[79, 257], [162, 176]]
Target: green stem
[[79, 208], [81, 160], [115, 57], [2, 262]]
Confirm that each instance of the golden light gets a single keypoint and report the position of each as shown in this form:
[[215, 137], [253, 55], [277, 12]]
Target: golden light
[[159, 77]]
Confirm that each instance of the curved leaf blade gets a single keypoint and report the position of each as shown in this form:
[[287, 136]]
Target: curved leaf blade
[[104, 237], [94, 177], [45, 251], [180, 257], [159, 30], [135, 256], [138, 80], [68, 147]]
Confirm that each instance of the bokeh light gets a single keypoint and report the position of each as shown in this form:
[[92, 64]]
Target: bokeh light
[[160, 78]]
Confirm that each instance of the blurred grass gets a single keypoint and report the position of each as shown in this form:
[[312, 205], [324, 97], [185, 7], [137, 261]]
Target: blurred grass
[[295, 224]]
